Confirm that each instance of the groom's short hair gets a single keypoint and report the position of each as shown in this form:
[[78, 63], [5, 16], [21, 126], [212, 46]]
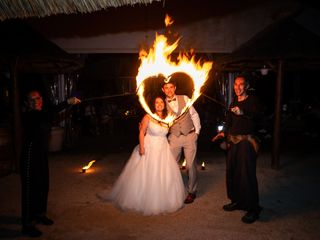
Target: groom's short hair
[[170, 81]]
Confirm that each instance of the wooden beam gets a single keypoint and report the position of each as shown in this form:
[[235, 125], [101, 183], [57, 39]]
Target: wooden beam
[[275, 163]]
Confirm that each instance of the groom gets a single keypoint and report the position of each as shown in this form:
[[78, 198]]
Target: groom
[[183, 135]]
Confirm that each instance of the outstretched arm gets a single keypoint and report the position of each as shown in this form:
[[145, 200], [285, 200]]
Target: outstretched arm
[[218, 136], [70, 101]]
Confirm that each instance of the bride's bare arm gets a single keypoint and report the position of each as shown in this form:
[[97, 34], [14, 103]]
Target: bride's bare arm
[[142, 132]]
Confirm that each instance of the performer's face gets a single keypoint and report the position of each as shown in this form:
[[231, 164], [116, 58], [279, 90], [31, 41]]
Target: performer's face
[[169, 90], [35, 101], [159, 105], [240, 86]]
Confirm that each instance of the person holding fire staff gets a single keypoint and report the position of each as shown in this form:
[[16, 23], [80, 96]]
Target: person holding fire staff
[[242, 148], [34, 170]]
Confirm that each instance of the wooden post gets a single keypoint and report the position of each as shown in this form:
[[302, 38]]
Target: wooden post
[[277, 118], [17, 138]]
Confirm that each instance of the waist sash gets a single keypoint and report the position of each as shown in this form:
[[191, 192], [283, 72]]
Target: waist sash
[[238, 138]]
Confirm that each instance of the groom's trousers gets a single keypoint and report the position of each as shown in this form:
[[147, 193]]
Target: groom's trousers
[[187, 143]]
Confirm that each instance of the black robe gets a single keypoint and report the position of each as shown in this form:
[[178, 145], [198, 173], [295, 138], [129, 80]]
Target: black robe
[[34, 170], [241, 180]]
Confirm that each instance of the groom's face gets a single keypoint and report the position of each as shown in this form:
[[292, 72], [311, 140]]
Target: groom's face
[[169, 90]]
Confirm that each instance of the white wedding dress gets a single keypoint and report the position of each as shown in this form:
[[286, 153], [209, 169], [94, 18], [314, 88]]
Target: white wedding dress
[[151, 183]]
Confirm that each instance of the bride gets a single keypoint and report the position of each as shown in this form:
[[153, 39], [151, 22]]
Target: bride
[[151, 181]]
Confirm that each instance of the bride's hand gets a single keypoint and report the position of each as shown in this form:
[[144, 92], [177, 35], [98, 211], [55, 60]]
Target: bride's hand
[[141, 150]]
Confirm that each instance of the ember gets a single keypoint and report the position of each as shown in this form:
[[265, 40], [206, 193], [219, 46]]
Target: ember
[[183, 166], [203, 166]]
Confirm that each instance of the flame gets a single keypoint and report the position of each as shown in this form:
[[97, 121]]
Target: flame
[[88, 166], [168, 20], [203, 166], [157, 62], [184, 164]]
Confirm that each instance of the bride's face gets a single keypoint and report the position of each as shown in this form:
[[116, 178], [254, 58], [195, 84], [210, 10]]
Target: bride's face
[[159, 104]]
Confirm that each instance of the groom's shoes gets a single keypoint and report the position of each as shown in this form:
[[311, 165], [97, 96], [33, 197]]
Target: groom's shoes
[[231, 207], [190, 198]]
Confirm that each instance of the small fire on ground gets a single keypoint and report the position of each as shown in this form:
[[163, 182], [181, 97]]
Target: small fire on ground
[[85, 168]]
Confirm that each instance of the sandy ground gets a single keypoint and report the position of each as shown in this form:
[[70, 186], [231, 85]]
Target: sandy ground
[[290, 198]]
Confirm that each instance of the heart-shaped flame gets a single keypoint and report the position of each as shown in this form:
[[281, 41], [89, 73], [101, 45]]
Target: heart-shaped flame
[[157, 62]]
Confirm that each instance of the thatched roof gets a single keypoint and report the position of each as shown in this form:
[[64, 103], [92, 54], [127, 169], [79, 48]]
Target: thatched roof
[[41, 8]]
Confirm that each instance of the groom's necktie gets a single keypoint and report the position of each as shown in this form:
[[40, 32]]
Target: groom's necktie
[[171, 100]]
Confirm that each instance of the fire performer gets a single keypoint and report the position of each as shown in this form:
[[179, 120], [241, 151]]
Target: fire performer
[[183, 135], [241, 180], [34, 169]]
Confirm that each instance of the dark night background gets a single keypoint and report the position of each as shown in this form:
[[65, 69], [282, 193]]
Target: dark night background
[[94, 55]]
